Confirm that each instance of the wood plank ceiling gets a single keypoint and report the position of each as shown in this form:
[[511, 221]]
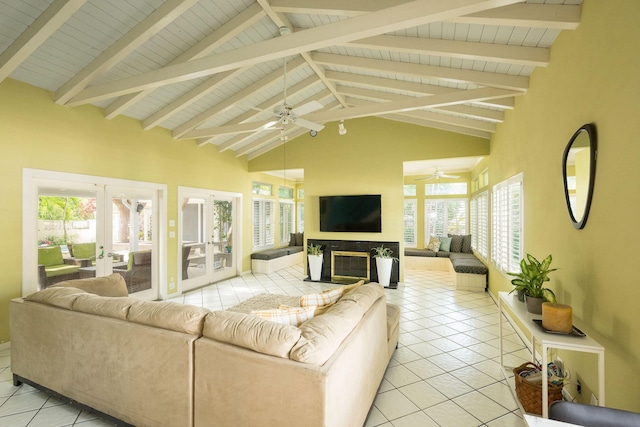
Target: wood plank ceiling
[[213, 69]]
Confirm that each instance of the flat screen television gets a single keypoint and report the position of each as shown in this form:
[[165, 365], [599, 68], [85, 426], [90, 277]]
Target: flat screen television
[[359, 214]]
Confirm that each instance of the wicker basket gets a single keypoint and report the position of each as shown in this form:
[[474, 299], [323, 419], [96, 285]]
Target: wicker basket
[[530, 395]]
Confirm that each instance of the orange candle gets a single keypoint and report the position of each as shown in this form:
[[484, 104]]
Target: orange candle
[[557, 317]]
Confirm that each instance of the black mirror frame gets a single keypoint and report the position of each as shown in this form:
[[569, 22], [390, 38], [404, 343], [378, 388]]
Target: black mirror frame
[[590, 128]]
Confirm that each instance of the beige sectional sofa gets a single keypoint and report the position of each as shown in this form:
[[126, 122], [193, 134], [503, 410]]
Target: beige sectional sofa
[[167, 364]]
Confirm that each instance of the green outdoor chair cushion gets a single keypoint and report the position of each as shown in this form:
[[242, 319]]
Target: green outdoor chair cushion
[[84, 250], [51, 255], [59, 270]]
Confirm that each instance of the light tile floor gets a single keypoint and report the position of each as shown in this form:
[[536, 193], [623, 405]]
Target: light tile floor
[[444, 373]]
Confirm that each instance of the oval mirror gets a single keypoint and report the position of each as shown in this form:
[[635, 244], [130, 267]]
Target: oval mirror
[[579, 170]]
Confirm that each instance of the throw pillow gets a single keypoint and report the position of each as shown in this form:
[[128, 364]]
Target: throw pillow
[[294, 316], [456, 243], [434, 244], [466, 244], [445, 244], [321, 299]]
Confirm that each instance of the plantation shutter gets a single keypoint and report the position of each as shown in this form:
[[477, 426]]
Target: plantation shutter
[[286, 221], [483, 224], [507, 224], [263, 223], [410, 223]]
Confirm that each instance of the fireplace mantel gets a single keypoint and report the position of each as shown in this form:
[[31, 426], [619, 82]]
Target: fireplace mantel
[[328, 246]]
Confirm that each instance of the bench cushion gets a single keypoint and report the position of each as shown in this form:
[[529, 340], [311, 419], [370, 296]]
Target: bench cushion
[[419, 252], [295, 249], [468, 263], [270, 254]]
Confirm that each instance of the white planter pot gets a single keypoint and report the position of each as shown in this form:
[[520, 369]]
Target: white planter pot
[[383, 266], [315, 266]]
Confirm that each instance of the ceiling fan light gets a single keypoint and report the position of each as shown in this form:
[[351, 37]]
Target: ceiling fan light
[[341, 129]]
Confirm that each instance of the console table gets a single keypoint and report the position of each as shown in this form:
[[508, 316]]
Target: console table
[[547, 341]]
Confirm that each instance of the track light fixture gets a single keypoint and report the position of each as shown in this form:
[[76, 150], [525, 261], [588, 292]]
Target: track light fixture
[[341, 128]]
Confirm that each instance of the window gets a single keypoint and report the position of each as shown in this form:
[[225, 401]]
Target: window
[[300, 217], [286, 221], [410, 222], [410, 190], [479, 223], [446, 189], [285, 192], [445, 216], [263, 223], [261, 188], [506, 221], [300, 193]]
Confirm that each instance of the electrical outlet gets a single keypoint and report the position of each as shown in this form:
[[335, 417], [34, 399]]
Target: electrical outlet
[[594, 400], [579, 387], [172, 284]]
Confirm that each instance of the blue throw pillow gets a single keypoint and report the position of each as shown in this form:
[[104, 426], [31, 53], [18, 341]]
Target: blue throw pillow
[[445, 243]]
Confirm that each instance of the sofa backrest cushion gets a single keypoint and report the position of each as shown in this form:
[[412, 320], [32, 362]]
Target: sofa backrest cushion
[[109, 286], [57, 297], [169, 315], [51, 255], [322, 335], [114, 307], [251, 332], [84, 250]]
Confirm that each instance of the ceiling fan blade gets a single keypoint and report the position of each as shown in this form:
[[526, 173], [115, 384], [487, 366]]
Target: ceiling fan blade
[[426, 179], [450, 176], [267, 125], [307, 108], [309, 125]]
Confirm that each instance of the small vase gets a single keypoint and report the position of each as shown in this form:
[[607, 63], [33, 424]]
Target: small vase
[[534, 305]]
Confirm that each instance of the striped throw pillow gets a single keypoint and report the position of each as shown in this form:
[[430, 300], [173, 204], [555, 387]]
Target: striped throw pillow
[[294, 316], [320, 299]]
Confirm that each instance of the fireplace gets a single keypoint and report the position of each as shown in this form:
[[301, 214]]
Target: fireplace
[[348, 265], [351, 268]]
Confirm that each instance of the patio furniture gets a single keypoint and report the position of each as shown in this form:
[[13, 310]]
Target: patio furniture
[[52, 268], [84, 254], [137, 274]]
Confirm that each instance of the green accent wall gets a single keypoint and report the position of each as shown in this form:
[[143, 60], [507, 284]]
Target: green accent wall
[[592, 78]]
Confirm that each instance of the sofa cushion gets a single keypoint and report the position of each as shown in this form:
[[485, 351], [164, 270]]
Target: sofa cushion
[[270, 254], [84, 250], [393, 318], [322, 335], [251, 332], [466, 244], [345, 288], [467, 263], [113, 285], [293, 316], [294, 249], [169, 315], [51, 255], [114, 307], [299, 239], [443, 254], [61, 269], [58, 297]]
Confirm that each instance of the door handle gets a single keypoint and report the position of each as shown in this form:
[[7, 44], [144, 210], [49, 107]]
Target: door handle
[[101, 252]]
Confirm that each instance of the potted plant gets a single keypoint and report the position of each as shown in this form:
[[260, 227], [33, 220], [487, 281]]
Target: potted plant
[[384, 263], [530, 282], [314, 255]]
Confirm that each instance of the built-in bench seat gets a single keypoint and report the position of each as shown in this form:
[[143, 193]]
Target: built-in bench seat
[[468, 271], [270, 260]]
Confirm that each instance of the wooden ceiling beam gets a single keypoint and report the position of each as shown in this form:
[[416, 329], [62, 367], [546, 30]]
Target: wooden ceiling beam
[[437, 125], [37, 33], [407, 15]]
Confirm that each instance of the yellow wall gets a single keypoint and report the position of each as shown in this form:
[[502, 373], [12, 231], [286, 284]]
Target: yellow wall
[[36, 133], [367, 160], [593, 77]]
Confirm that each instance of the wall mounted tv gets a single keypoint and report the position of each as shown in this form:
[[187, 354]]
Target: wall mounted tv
[[356, 214]]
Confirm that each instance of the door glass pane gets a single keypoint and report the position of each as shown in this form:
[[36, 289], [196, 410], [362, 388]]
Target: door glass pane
[[222, 234], [194, 247], [66, 236], [132, 240]]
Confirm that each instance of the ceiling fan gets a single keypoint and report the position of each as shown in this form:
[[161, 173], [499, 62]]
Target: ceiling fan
[[437, 175], [287, 115]]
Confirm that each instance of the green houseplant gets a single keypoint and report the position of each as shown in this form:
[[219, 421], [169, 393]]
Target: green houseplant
[[530, 281], [315, 258], [384, 264]]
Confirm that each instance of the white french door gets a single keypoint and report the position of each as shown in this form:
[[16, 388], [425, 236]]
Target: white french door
[[116, 223], [208, 236]]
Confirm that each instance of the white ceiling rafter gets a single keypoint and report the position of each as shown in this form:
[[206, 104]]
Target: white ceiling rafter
[[34, 35], [123, 47], [222, 35], [210, 69], [411, 14]]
